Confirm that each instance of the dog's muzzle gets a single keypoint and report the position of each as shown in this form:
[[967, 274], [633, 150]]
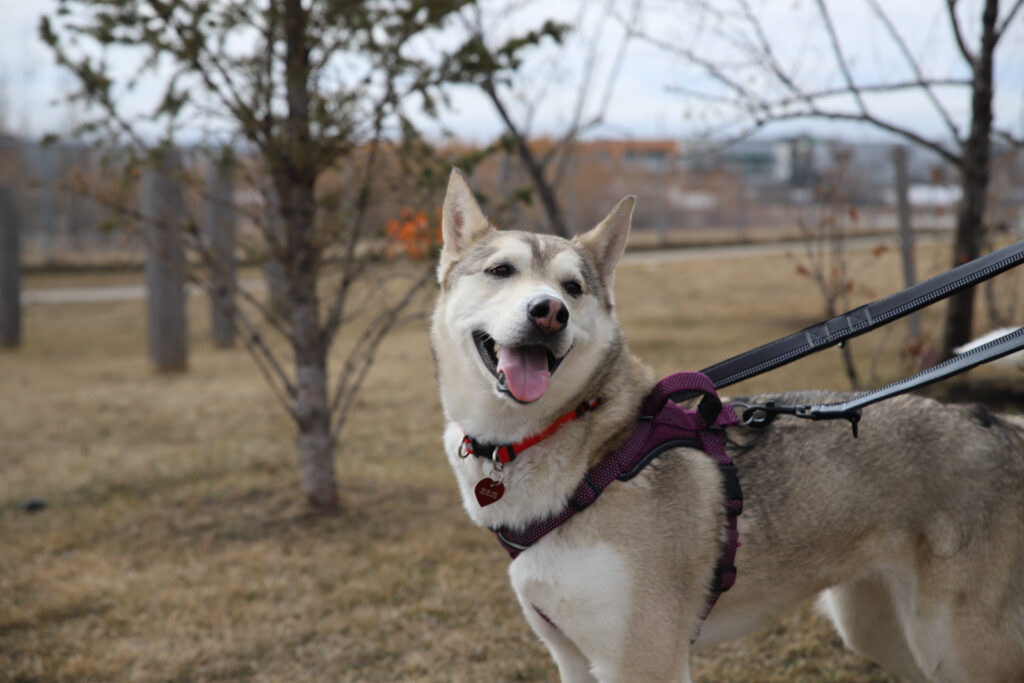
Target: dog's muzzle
[[523, 371]]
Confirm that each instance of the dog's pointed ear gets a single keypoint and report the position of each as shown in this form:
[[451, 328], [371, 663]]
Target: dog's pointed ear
[[607, 241], [462, 221]]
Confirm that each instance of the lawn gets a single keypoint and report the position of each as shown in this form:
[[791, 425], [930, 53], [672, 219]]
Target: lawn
[[174, 545]]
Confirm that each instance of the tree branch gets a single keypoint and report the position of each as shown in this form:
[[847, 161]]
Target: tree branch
[[766, 49], [840, 59], [271, 369], [361, 357], [577, 127], [916, 68], [808, 97], [1005, 23], [906, 133], [954, 24]]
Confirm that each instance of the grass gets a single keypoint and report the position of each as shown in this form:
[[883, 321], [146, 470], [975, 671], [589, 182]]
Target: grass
[[175, 546]]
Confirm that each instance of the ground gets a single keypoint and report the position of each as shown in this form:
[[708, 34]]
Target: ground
[[174, 545]]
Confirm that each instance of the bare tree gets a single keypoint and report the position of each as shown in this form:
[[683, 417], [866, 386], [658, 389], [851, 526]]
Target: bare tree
[[493, 62], [760, 80], [307, 91]]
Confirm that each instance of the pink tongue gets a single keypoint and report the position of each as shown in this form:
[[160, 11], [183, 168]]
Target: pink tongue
[[526, 371]]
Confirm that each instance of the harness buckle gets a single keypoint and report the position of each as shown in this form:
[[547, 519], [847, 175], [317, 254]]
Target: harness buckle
[[725, 577]]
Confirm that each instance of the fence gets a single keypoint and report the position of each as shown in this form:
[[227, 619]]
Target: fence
[[57, 188]]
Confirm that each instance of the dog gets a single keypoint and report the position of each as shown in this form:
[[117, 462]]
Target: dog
[[912, 534]]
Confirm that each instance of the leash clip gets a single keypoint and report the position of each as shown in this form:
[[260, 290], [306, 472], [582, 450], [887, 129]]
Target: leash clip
[[760, 415], [831, 412]]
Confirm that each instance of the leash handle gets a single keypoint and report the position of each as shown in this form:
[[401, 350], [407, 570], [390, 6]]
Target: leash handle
[[863, 319]]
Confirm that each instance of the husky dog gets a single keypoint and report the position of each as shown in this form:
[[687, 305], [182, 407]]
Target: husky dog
[[913, 533]]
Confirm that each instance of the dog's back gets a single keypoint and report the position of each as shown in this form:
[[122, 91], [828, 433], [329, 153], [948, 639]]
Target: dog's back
[[916, 523]]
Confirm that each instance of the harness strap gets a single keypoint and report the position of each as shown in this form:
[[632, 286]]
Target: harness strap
[[662, 425]]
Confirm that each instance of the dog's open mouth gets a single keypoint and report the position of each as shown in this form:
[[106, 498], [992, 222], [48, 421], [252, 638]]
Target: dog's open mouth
[[523, 372]]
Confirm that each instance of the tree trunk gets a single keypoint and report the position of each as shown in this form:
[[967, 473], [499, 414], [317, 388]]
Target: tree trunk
[[273, 268], [220, 234], [899, 160], [294, 179], [974, 179], [163, 205], [316, 446], [544, 189], [10, 269]]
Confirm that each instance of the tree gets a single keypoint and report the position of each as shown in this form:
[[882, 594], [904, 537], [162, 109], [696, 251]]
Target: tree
[[754, 79], [313, 90], [493, 62]]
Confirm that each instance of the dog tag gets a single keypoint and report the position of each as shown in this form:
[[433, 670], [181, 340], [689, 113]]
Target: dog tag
[[489, 491]]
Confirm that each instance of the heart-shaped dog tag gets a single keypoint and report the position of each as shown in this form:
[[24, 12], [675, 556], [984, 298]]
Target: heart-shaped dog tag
[[489, 491]]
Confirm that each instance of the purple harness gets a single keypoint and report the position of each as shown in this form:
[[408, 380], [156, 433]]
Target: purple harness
[[663, 425]]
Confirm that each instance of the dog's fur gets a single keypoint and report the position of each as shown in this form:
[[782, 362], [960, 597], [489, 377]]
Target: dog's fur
[[911, 533]]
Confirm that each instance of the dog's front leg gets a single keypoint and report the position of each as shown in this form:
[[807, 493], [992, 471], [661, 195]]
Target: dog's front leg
[[573, 665]]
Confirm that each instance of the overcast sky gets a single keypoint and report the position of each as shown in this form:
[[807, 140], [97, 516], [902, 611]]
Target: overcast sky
[[642, 104]]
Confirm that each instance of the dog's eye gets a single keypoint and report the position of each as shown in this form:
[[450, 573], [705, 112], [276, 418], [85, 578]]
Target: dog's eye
[[501, 270], [573, 288]]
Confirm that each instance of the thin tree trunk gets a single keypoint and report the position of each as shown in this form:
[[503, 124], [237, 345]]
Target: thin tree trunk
[[220, 233], [316, 446], [533, 166], [899, 160], [974, 178], [273, 268], [294, 181], [849, 366], [10, 269]]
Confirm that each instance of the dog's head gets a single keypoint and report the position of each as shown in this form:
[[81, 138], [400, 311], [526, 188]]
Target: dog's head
[[522, 319]]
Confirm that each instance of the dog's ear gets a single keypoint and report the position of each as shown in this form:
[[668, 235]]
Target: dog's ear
[[607, 241], [462, 221]]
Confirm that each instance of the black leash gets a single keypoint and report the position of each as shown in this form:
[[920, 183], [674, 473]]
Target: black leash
[[758, 415], [863, 319], [860, 320]]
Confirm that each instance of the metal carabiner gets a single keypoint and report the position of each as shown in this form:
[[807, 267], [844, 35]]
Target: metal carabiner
[[762, 414]]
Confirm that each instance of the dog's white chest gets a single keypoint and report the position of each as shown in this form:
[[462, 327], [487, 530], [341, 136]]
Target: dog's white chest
[[585, 592]]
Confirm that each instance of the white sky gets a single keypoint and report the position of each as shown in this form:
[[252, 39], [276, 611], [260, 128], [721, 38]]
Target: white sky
[[30, 81]]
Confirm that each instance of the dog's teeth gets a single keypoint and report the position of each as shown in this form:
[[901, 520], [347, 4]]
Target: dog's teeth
[[497, 348]]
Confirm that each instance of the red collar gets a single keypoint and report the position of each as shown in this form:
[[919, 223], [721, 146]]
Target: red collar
[[506, 453]]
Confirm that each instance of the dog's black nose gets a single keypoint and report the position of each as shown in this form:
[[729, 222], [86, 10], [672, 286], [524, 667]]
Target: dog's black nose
[[548, 313]]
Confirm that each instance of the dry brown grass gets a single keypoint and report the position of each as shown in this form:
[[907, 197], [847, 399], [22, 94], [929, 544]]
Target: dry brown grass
[[175, 546]]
